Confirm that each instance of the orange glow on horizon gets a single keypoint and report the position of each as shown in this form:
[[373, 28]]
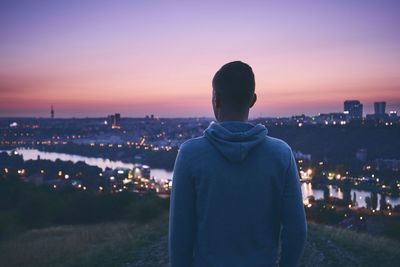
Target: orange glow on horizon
[[138, 59]]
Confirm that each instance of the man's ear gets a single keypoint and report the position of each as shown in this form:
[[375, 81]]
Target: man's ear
[[217, 100], [254, 100]]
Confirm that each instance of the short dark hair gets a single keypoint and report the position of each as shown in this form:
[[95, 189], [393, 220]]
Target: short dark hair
[[235, 83]]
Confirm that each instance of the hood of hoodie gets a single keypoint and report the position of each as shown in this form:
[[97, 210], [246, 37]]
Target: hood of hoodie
[[235, 139]]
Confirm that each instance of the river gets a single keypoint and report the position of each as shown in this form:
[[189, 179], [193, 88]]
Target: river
[[161, 174]]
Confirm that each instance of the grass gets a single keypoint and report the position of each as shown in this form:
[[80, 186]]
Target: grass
[[107, 244], [331, 246], [116, 244]]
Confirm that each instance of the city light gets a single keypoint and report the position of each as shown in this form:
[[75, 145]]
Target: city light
[[317, 173], [100, 101]]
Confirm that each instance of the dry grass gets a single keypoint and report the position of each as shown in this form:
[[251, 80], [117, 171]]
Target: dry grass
[[332, 246], [108, 244], [115, 244], [364, 242]]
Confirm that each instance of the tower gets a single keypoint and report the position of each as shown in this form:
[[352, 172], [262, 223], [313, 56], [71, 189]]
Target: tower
[[380, 108], [52, 112]]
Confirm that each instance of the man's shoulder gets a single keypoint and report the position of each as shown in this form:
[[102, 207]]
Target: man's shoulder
[[195, 148], [276, 142], [277, 145], [196, 143], [280, 151]]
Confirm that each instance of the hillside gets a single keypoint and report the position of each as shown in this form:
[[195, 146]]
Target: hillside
[[134, 245], [326, 246]]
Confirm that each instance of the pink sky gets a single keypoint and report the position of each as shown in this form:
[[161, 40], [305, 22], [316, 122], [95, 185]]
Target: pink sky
[[93, 58]]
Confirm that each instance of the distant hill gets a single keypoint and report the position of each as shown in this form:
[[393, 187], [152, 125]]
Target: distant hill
[[341, 143]]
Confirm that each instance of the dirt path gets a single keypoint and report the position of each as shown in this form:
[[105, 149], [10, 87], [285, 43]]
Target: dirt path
[[156, 255], [327, 253]]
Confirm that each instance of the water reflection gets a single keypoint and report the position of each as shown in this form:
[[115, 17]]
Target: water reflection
[[33, 154], [160, 174], [337, 192]]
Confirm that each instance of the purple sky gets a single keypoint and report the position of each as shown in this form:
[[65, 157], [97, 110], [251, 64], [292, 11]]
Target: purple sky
[[92, 58]]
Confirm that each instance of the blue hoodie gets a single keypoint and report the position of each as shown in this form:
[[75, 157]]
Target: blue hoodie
[[235, 196]]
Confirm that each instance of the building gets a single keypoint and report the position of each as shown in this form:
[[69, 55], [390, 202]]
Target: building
[[145, 171], [353, 109], [334, 118], [380, 116], [380, 108], [389, 164], [393, 115], [114, 120]]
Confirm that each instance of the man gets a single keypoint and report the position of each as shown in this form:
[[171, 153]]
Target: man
[[236, 197]]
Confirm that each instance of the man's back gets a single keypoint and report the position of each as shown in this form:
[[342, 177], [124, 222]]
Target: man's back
[[234, 188]]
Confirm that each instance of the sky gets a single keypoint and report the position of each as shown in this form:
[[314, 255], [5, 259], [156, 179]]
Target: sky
[[93, 58]]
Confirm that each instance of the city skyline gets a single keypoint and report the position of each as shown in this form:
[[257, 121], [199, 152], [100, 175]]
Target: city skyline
[[95, 58], [364, 113]]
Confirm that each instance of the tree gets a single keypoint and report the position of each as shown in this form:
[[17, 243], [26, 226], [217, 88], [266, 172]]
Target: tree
[[374, 200], [355, 203], [368, 202]]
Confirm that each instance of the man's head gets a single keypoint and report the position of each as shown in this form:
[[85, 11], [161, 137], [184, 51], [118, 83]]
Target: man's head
[[233, 91]]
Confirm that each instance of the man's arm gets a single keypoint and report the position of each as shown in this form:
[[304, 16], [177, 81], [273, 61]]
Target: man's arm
[[294, 224], [182, 223]]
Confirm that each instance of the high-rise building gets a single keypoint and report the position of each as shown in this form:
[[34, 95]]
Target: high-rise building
[[52, 112], [380, 108], [117, 118], [380, 115], [354, 109], [114, 120]]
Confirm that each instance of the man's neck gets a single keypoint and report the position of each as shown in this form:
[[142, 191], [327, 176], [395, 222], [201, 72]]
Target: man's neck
[[233, 118]]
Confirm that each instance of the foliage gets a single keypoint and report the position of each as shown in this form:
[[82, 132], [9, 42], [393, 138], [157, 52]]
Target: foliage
[[25, 206]]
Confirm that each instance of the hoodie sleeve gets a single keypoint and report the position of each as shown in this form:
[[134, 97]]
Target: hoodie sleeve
[[182, 215], [294, 224]]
